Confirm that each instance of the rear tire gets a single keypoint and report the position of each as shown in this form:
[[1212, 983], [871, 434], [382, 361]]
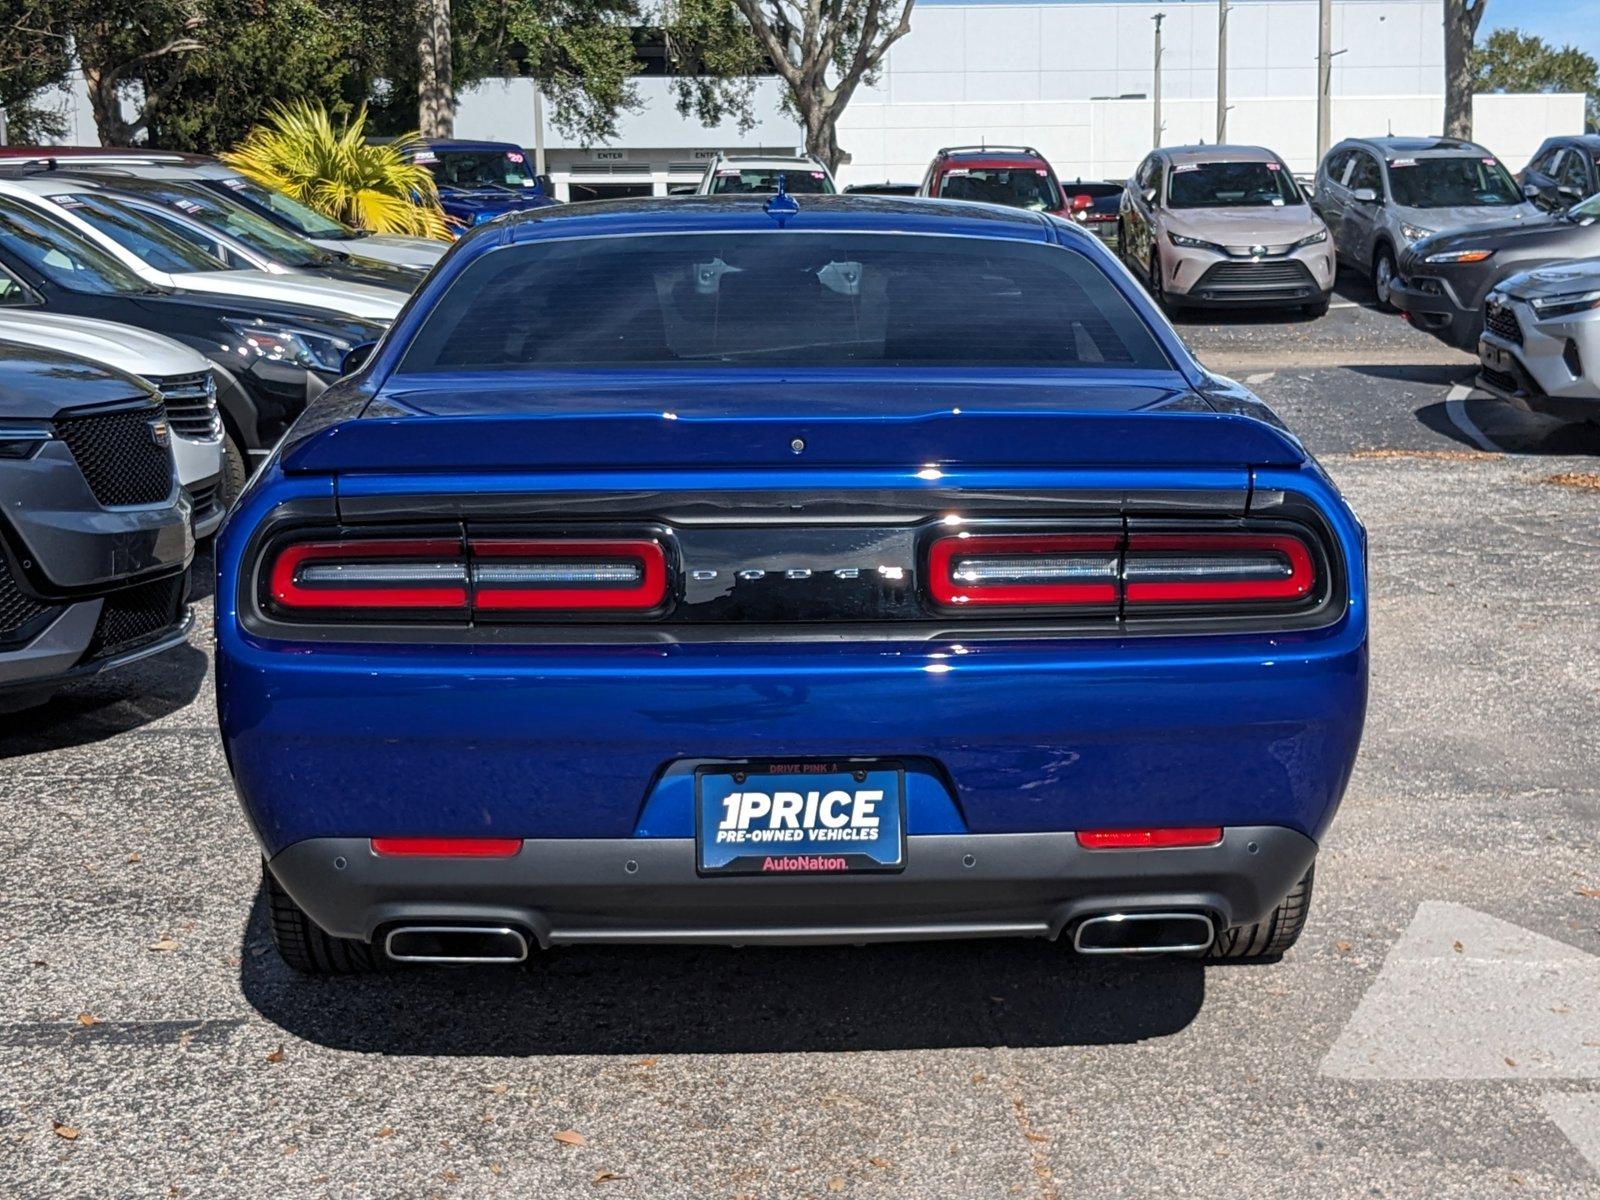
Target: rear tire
[[305, 945], [1268, 939], [235, 472], [1157, 287]]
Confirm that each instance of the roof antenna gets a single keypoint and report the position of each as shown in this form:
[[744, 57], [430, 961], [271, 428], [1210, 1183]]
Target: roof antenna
[[781, 206]]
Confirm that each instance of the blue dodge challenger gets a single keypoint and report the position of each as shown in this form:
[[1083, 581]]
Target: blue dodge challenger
[[831, 569]]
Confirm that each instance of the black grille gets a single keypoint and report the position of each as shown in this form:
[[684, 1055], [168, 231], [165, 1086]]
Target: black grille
[[1500, 380], [135, 615], [1503, 323], [1243, 281], [119, 454], [203, 497], [191, 402], [16, 609]]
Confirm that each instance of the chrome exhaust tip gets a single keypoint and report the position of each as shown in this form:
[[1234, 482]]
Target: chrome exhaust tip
[[476, 944], [1144, 933]]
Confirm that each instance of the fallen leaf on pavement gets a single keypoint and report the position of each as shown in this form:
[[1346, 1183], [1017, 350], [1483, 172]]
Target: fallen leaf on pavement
[[386, 1132], [1342, 946], [602, 1176], [880, 1163], [498, 1089], [1511, 1062], [163, 944], [570, 1137], [277, 1055], [646, 1062], [134, 857], [1458, 947], [66, 1132], [1036, 1137], [1590, 893], [87, 1019], [836, 1184]]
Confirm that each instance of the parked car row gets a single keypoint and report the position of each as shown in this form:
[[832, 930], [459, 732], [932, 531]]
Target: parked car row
[[163, 320]]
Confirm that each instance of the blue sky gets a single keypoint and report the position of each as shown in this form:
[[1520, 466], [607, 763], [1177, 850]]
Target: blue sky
[[1560, 22]]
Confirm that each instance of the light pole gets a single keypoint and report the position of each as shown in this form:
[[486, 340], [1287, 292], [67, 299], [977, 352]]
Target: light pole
[[1222, 70], [1155, 90]]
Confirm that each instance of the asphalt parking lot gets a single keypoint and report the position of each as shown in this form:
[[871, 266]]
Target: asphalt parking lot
[[1435, 1034]]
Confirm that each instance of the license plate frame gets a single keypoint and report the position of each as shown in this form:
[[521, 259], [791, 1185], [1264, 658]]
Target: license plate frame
[[715, 782], [1495, 358]]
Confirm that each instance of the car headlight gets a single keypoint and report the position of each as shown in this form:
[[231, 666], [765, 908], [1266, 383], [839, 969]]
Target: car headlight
[[1177, 239], [1414, 233], [1459, 256], [1545, 307], [289, 344], [1311, 239]]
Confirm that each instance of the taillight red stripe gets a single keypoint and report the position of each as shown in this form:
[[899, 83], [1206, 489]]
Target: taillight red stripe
[[650, 590], [1147, 551], [1149, 839], [288, 590], [1085, 554], [437, 847]]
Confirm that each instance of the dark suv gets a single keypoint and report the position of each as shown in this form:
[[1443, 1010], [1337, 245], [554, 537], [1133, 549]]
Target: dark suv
[[94, 532], [1563, 171], [1015, 176]]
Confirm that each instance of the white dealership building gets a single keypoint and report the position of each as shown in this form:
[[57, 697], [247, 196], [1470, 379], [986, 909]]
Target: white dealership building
[[1074, 79]]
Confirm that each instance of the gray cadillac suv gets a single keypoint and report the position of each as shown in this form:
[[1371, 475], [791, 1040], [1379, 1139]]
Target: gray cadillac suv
[[95, 539], [1379, 195]]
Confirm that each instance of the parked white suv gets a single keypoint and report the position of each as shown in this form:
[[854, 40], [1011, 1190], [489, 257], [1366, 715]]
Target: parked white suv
[[165, 261], [740, 175], [1540, 346], [183, 376]]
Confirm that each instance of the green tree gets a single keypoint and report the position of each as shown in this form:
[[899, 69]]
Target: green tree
[[119, 45], [33, 56], [1513, 61]]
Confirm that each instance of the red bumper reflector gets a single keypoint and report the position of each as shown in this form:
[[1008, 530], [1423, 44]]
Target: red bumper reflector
[[1149, 839], [424, 847]]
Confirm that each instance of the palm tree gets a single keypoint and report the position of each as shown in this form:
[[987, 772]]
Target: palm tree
[[339, 173]]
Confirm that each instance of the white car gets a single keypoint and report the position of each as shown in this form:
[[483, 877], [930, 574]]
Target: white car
[[757, 175], [1540, 347], [166, 261], [287, 213], [182, 376]]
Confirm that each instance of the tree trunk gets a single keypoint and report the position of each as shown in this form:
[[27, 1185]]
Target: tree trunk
[[436, 115], [822, 136], [105, 101], [1461, 19]]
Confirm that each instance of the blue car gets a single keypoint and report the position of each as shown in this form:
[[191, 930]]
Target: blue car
[[926, 588], [479, 181]]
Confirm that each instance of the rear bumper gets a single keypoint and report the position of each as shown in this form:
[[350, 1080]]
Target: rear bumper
[[565, 891]]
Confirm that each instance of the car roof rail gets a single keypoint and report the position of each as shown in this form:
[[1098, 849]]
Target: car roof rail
[[989, 150]]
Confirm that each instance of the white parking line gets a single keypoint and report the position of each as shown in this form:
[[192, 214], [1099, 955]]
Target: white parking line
[[1455, 408]]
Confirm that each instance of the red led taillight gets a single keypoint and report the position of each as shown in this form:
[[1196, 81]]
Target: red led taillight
[[1149, 839], [551, 576], [436, 847], [623, 574], [1023, 570], [1216, 568], [389, 574]]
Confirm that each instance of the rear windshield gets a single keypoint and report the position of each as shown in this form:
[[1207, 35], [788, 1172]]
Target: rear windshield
[[1014, 187], [1231, 185], [800, 179], [477, 169], [1451, 183], [772, 299]]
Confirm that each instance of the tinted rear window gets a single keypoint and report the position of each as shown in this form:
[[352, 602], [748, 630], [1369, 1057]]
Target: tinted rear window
[[773, 299], [800, 180]]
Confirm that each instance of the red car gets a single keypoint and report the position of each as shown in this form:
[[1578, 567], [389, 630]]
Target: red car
[[1016, 176]]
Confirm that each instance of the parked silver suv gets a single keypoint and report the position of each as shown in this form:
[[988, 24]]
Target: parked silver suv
[[1378, 195]]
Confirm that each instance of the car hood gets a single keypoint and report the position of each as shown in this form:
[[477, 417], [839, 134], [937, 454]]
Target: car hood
[[1244, 227], [416, 252], [1469, 216], [1558, 280], [38, 384], [1515, 235], [121, 346], [356, 299], [475, 201]]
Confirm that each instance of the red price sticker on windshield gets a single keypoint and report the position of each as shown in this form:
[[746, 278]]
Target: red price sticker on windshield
[[513, 156], [1274, 167]]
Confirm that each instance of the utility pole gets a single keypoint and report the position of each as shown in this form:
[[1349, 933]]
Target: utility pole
[[1155, 90], [538, 129], [1222, 71], [1324, 77]]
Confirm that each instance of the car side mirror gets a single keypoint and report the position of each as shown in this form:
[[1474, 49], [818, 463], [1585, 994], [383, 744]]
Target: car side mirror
[[546, 185], [1149, 195], [1364, 196], [356, 357], [1532, 191]]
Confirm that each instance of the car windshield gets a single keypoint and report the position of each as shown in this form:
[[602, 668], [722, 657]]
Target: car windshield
[[62, 255], [1454, 182], [848, 299], [238, 222], [478, 168], [139, 235], [1014, 187], [1231, 185], [308, 222], [800, 179]]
